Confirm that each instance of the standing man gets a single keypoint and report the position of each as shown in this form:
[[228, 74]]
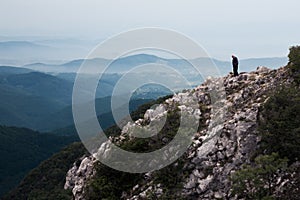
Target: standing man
[[235, 64]]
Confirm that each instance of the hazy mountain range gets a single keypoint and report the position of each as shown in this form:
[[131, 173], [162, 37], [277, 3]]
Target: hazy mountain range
[[38, 95], [57, 55], [16, 51], [124, 64], [43, 101]]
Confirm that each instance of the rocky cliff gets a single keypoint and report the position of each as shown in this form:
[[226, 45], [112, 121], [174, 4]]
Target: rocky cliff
[[207, 165]]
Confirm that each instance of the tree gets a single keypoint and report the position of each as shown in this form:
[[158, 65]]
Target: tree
[[294, 63], [259, 181], [279, 123]]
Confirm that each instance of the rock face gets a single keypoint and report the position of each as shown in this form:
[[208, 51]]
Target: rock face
[[78, 176], [211, 160]]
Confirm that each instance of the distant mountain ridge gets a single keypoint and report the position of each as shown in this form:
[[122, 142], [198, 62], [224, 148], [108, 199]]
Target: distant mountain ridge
[[23, 52], [28, 96], [122, 64], [43, 101], [23, 49], [20, 44], [4, 70]]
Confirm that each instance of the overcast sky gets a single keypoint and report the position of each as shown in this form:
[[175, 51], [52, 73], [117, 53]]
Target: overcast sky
[[256, 28]]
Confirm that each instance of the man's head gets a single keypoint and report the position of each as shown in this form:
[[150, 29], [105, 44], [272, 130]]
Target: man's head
[[233, 56]]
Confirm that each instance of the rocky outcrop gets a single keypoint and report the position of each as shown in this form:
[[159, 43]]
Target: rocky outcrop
[[212, 163], [226, 141], [78, 176]]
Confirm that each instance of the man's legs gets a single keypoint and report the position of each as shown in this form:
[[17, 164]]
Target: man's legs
[[235, 71]]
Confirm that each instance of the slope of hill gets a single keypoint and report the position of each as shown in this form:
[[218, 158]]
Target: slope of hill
[[22, 149], [203, 171], [43, 85], [5, 70], [28, 97], [18, 108], [26, 148], [43, 102], [105, 116], [54, 169]]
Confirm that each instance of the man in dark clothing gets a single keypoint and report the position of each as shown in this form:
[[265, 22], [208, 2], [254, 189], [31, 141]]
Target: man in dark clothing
[[235, 64]]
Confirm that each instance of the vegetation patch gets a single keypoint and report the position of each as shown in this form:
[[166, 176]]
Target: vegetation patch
[[278, 155], [294, 63], [48, 179]]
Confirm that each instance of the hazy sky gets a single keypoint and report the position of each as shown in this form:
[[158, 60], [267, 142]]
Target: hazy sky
[[256, 28]]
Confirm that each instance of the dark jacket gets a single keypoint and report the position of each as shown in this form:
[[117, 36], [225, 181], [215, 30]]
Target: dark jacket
[[235, 61]]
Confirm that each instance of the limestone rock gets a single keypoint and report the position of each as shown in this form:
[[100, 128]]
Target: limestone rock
[[224, 143]]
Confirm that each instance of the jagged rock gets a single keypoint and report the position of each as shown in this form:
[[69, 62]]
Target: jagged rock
[[198, 174], [218, 195], [203, 183], [158, 112], [78, 176], [262, 69], [191, 183]]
